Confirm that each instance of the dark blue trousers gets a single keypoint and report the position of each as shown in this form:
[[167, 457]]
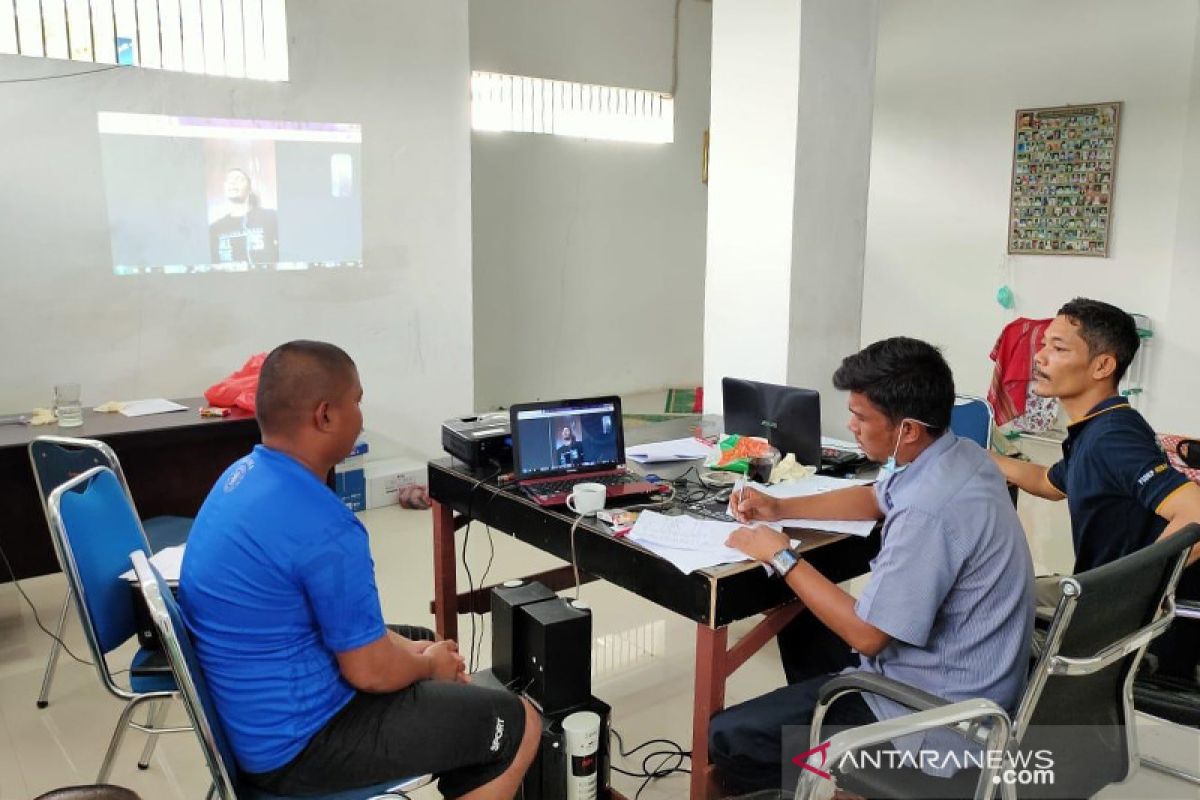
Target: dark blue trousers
[[746, 742]]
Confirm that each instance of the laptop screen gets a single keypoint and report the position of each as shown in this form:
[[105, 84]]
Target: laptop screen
[[567, 436]]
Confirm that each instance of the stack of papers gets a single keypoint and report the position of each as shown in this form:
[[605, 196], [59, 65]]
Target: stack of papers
[[687, 543], [167, 561], [818, 484], [154, 405], [674, 450]]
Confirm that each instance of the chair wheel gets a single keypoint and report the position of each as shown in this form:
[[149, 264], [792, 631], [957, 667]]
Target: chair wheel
[[143, 766], [43, 703]]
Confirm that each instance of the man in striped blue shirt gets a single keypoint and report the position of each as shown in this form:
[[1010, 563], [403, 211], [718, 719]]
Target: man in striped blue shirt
[[948, 607]]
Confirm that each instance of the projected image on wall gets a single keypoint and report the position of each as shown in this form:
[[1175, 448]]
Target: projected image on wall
[[189, 194]]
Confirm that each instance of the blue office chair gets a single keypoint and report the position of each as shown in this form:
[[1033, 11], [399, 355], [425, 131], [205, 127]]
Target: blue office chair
[[57, 459], [93, 527], [972, 418], [172, 632]]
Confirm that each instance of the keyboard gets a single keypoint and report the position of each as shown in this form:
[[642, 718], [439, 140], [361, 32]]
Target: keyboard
[[832, 457], [709, 510], [565, 486]]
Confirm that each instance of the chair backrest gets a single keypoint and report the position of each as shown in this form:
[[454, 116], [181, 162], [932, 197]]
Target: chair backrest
[[57, 459], [173, 633], [94, 528], [1079, 699], [971, 418]]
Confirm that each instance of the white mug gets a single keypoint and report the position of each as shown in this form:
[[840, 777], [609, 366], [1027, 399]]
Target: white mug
[[587, 498]]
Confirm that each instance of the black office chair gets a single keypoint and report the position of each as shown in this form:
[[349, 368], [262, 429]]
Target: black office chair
[[1102, 623], [1174, 694], [57, 459]]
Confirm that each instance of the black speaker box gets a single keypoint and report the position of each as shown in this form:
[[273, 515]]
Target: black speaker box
[[506, 643], [556, 654]]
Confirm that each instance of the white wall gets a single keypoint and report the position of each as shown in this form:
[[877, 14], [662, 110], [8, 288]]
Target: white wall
[[950, 75], [589, 255], [833, 156], [1178, 348], [398, 67], [752, 176], [792, 103]]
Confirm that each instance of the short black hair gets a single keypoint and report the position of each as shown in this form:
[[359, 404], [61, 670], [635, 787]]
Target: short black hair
[[905, 378], [1105, 329], [295, 378]]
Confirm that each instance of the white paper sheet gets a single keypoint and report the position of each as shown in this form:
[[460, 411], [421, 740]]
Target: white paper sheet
[[686, 533], [841, 444], [153, 405], [167, 561], [688, 543], [673, 450], [819, 484]]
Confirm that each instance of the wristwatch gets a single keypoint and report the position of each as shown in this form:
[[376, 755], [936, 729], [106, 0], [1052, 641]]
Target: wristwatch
[[784, 561]]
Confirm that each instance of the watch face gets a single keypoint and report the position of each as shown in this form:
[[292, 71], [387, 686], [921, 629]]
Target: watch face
[[783, 561]]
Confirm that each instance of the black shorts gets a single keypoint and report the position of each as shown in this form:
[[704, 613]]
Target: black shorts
[[465, 735]]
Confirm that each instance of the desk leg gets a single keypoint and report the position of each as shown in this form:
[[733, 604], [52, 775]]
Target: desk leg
[[709, 699], [445, 578]]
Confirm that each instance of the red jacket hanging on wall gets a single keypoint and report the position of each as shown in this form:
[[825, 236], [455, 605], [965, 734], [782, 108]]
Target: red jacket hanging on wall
[[1013, 354]]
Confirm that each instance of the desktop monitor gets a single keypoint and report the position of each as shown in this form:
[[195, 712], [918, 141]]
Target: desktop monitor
[[787, 417]]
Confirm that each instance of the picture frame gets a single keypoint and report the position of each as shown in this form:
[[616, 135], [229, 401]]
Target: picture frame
[[1064, 166]]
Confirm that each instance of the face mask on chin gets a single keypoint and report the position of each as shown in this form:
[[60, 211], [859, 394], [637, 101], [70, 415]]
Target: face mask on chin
[[890, 468]]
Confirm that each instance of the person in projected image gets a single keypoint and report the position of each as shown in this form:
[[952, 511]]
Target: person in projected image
[[248, 232], [568, 452]]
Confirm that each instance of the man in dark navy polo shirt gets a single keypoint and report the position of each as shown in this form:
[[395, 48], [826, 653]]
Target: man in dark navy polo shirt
[[1121, 492]]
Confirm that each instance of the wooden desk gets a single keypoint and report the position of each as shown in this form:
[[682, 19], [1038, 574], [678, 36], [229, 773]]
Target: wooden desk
[[712, 598], [170, 460]]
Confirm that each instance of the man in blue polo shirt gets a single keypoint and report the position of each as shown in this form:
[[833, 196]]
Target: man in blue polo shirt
[[948, 607], [1121, 492], [316, 694]]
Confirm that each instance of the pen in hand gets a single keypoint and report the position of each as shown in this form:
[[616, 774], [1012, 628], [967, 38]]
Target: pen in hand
[[735, 499]]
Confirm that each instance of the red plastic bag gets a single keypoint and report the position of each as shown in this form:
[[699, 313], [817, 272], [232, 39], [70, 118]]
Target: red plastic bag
[[239, 388]]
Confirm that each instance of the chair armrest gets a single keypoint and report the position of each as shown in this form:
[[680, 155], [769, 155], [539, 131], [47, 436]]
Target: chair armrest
[[1187, 609], [828, 755], [902, 693]]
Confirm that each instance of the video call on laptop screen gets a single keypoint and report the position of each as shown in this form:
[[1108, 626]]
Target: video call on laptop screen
[[566, 439]]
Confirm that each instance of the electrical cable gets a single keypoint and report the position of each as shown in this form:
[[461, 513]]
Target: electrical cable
[[37, 619], [483, 579], [64, 75], [466, 567], [574, 559], [660, 770]]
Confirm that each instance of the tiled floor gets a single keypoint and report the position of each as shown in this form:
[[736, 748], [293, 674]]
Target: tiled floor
[[644, 669]]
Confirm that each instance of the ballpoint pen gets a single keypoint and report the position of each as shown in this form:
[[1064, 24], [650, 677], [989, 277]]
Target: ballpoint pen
[[738, 488]]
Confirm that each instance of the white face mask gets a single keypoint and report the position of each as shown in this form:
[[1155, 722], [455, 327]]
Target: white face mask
[[890, 467]]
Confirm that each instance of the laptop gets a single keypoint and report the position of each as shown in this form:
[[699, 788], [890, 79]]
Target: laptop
[[787, 417], [560, 443]]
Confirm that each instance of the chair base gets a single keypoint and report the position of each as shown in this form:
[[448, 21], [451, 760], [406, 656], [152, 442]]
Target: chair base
[[1159, 766]]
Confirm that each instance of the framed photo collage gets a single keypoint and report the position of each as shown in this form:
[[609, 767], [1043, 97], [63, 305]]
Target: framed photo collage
[[1064, 169]]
